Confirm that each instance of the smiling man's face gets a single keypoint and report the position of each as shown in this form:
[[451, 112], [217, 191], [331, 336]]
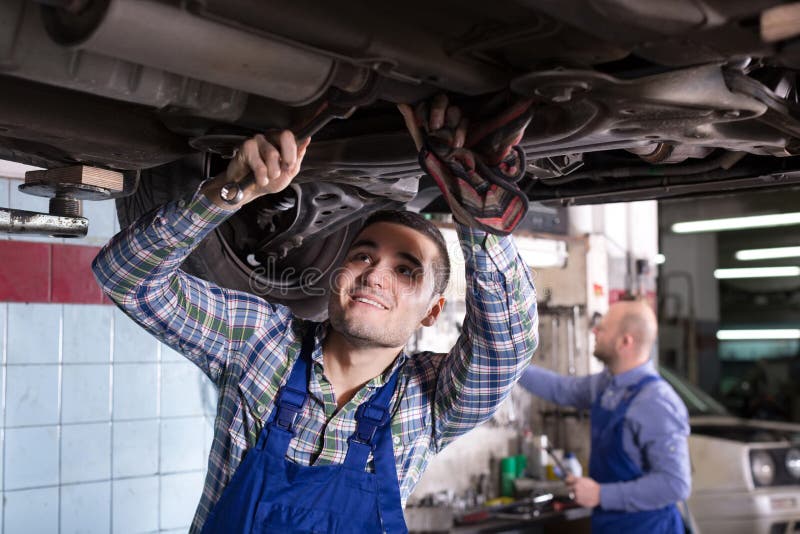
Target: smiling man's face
[[384, 290]]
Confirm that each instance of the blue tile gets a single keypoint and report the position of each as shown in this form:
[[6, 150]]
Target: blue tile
[[101, 215], [135, 391], [85, 396], [33, 332], [135, 505], [182, 444], [132, 343], [135, 448], [31, 457], [182, 390], [85, 452], [87, 333], [86, 508], [32, 396], [32, 511], [179, 497]]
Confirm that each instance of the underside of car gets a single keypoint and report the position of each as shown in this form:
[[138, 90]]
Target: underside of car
[[633, 99]]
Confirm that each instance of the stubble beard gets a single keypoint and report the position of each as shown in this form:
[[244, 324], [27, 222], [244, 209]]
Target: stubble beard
[[364, 335], [602, 355]]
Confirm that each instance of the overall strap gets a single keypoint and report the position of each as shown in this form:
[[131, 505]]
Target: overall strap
[[631, 391], [634, 390], [289, 401], [370, 416], [374, 434]]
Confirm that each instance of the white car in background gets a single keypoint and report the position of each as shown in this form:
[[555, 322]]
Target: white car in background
[[745, 472]]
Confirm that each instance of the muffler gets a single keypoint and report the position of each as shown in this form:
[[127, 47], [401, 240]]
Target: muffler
[[166, 37]]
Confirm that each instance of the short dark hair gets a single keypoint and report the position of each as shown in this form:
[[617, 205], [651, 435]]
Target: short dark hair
[[415, 221]]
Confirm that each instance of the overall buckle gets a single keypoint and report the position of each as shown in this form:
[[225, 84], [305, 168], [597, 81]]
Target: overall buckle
[[368, 419], [290, 403]]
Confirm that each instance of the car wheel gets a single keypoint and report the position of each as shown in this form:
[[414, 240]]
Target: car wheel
[[299, 277]]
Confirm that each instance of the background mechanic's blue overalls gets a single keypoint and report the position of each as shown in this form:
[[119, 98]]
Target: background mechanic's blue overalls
[[269, 493], [609, 463]]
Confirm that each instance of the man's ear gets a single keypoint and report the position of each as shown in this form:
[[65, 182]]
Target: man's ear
[[627, 340], [434, 311]]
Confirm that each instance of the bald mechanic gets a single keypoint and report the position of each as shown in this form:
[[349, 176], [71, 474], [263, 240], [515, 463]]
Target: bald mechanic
[[327, 427], [639, 466]]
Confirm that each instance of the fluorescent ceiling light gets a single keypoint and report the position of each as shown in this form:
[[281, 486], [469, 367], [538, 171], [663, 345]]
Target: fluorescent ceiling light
[[737, 223], [660, 259], [780, 333], [768, 253], [757, 272]]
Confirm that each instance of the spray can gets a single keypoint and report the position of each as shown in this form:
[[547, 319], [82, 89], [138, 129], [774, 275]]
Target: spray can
[[572, 464]]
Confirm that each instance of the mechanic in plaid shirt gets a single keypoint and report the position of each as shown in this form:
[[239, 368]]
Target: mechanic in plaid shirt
[[390, 284]]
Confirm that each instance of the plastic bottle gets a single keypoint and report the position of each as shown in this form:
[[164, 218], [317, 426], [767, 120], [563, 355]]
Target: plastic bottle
[[508, 472], [572, 465], [531, 453]]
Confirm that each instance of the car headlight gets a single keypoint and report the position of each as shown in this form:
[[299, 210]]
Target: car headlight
[[763, 468], [793, 462]]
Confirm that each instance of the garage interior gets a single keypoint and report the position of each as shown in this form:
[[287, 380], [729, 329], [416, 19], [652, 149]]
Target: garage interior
[[106, 429], [661, 165]]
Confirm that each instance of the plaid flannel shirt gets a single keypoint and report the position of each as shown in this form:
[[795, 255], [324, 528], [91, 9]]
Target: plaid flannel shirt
[[247, 347]]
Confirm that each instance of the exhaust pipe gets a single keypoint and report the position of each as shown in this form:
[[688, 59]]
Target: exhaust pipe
[[162, 36]]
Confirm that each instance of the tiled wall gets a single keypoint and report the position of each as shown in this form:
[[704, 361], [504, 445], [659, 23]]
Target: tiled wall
[[103, 428]]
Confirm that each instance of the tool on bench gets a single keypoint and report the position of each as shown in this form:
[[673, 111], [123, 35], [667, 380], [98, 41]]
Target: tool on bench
[[562, 471]]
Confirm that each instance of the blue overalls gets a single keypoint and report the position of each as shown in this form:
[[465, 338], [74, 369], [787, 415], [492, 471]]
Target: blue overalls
[[610, 463], [269, 493]]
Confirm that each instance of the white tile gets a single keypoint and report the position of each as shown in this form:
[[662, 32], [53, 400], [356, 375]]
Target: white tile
[[135, 505], [22, 201], [87, 333], [31, 457], [33, 331], [86, 508], [4, 186], [85, 452], [32, 397], [135, 391], [181, 390], [3, 329], [3, 324], [168, 354], [31, 511], [116, 225], [4, 200], [135, 448], [101, 215], [182, 444], [179, 497], [132, 343], [2, 473], [85, 397]]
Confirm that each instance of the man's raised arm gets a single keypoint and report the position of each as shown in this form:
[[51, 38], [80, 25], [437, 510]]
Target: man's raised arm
[[498, 338], [139, 268]]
